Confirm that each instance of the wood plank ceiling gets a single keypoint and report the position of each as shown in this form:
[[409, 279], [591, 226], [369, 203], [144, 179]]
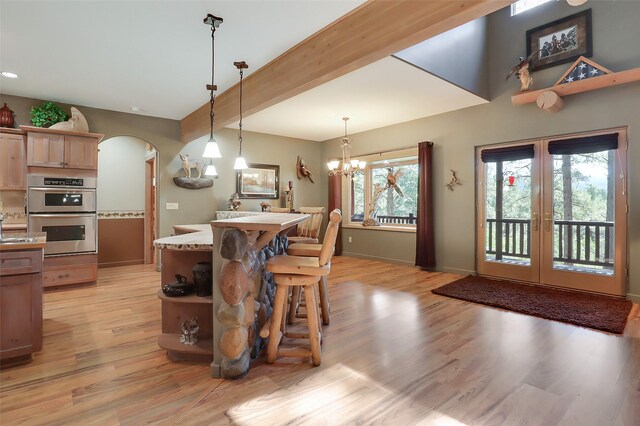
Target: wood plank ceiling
[[375, 30]]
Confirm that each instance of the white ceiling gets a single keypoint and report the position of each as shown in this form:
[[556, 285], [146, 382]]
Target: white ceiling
[[152, 54], [156, 55], [386, 92]]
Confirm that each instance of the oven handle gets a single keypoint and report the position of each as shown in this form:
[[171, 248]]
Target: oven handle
[[62, 215], [62, 190]]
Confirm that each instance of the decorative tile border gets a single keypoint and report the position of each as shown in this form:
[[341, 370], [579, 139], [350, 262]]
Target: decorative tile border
[[121, 215], [14, 217]]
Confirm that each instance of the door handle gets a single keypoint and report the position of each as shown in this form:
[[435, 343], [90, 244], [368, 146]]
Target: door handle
[[534, 221], [547, 221]]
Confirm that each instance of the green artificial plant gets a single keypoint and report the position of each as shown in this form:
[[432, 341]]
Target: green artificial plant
[[47, 115]]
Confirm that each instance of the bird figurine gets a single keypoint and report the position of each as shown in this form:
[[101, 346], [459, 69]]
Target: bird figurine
[[392, 180], [521, 71], [302, 170], [454, 181]]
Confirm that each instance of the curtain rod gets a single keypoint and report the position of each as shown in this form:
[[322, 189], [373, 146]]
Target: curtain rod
[[391, 150]]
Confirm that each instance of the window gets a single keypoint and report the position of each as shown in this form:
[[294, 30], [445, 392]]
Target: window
[[524, 5], [374, 194]]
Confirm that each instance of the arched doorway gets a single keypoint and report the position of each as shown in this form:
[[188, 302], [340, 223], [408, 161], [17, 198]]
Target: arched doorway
[[126, 201]]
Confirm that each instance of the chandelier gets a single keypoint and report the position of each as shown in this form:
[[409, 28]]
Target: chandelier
[[212, 150], [347, 167]]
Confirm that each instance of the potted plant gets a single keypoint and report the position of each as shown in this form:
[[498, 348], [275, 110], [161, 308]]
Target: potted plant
[[47, 115]]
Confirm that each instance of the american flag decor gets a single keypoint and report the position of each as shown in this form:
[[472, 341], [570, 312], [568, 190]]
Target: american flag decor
[[582, 71]]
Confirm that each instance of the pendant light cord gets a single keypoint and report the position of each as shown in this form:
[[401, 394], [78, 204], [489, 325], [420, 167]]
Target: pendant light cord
[[240, 125], [212, 100]]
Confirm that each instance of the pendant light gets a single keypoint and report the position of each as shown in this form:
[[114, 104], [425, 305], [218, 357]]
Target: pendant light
[[212, 150], [240, 163]]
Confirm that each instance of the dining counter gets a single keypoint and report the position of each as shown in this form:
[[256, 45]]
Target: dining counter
[[229, 320]]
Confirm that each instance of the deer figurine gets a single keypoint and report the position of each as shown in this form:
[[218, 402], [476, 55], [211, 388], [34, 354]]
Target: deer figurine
[[193, 164]]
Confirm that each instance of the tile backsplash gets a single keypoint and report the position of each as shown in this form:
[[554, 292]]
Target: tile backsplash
[[12, 206]]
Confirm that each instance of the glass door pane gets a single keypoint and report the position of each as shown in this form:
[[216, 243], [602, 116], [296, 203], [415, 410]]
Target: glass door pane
[[508, 203], [583, 212]]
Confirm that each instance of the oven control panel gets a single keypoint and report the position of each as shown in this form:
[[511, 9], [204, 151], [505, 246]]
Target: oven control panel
[[49, 181]]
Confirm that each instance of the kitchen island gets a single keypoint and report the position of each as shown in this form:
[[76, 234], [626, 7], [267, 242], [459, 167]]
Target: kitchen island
[[21, 256], [230, 319]]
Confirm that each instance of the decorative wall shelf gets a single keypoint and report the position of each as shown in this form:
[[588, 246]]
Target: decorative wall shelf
[[550, 99]]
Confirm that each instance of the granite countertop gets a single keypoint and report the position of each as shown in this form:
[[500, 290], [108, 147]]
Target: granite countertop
[[199, 237], [40, 238]]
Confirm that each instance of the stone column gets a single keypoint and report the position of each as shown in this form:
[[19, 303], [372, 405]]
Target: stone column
[[245, 292]]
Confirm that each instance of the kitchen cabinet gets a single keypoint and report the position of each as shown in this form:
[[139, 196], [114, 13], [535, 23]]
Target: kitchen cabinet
[[20, 305], [178, 258], [176, 310], [13, 160], [65, 270], [61, 149]]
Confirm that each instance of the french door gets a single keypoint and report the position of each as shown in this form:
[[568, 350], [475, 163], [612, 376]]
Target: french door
[[553, 211]]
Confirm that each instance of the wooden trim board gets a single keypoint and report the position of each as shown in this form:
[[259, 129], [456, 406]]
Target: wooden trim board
[[593, 83], [367, 34]]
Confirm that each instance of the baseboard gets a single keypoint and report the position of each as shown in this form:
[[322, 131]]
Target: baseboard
[[123, 263], [456, 271], [381, 259], [446, 269], [633, 297]]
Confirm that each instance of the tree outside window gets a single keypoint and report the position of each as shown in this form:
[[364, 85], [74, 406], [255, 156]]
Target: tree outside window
[[397, 204]]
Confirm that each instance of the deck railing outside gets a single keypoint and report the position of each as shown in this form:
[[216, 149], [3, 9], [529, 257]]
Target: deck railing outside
[[575, 242], [398, 220]]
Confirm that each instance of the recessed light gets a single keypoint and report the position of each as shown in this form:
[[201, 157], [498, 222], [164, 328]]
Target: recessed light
[[134, 108], [9, 74]]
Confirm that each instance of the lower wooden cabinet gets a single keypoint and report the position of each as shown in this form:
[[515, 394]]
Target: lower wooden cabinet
[[176, 310], [20, 305], [65, 270]]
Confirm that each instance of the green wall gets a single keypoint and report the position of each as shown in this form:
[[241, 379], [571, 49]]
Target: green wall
[[198, 206], [615, 45]]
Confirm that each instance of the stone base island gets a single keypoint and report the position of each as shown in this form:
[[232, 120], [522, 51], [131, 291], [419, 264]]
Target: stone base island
[[242, 292]]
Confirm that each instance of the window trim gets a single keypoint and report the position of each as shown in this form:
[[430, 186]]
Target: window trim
[[376, 160], [515, 12]]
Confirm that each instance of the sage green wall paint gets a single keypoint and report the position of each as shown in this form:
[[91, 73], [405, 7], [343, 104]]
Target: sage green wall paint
[[123, 191], [615, 46], [199, 206]]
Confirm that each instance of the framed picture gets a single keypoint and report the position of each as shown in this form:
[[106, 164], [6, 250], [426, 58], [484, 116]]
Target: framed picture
[[560, 41], [259, 181]]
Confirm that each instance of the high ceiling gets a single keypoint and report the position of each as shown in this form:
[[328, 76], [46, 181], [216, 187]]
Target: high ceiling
[[156, 55]]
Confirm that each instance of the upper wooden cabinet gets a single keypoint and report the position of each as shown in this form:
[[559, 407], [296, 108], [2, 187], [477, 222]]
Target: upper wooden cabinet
[[54, 148], [13, 160]]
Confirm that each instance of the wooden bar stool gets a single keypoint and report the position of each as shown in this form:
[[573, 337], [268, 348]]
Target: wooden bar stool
[[309, 230], [309, 250], [296, 272]]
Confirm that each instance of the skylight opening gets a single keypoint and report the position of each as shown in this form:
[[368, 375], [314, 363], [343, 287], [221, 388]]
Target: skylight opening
[[524, 5]]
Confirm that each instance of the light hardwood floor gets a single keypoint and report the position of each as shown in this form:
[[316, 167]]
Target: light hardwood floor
[[394, 354]]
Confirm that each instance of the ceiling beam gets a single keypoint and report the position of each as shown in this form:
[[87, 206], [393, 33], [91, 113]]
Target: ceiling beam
[[373, 31]]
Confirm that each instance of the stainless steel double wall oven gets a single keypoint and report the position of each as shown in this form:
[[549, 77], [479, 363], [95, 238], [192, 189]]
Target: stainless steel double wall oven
[[64, 208]]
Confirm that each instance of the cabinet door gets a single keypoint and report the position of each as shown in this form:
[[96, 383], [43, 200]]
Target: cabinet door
[[81, 152], [45, 150], [16, 315], [14, 162]]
